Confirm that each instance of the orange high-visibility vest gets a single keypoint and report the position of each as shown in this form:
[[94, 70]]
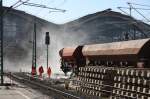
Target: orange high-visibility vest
[[49, 71]]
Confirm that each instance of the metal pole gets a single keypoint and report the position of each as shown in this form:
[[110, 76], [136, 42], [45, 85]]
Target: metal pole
[[1, 30], [130, 9], [35, 42], [47, 57], [34, 48], [47, 42]]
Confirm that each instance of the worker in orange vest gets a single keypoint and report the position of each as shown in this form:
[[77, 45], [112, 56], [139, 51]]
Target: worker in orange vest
[[49, 72], [41, 70], [33, 72]]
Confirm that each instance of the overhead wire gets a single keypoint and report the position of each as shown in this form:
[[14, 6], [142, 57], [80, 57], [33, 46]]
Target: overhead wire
[[21, 2], [138, 12], [15, 3], [140, 4], [41, 6], [136, 22], [61, 4], [135, 8], [8, 9], [120, 8]]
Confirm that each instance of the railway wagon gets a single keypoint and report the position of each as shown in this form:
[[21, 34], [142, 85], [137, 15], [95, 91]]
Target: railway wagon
[[117, 69], [71, 59]]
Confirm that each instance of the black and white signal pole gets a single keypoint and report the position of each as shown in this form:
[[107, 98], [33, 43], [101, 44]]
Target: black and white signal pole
[[34, 42], [47, 42]]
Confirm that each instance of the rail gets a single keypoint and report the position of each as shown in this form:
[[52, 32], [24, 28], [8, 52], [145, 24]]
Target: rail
[[59, 92]]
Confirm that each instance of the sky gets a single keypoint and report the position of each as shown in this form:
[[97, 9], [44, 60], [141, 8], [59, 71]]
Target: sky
[[75, 8]]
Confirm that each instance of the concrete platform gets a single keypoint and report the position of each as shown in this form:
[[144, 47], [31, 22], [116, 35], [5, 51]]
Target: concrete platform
[[20, 92]]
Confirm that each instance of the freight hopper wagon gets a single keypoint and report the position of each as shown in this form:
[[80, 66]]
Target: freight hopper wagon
[[71, 59], [118, 70]]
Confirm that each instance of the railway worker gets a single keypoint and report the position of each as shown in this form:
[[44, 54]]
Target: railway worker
[[33, 72], [41, 70], [49, 72]]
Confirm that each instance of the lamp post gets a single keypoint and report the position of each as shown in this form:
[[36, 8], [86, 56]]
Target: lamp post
[[47, 42]]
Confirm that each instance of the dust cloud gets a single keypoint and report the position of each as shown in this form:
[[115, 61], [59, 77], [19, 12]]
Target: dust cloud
[[18, 36]]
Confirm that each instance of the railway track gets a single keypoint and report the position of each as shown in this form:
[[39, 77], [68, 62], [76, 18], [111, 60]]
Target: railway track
[[56, 93]]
